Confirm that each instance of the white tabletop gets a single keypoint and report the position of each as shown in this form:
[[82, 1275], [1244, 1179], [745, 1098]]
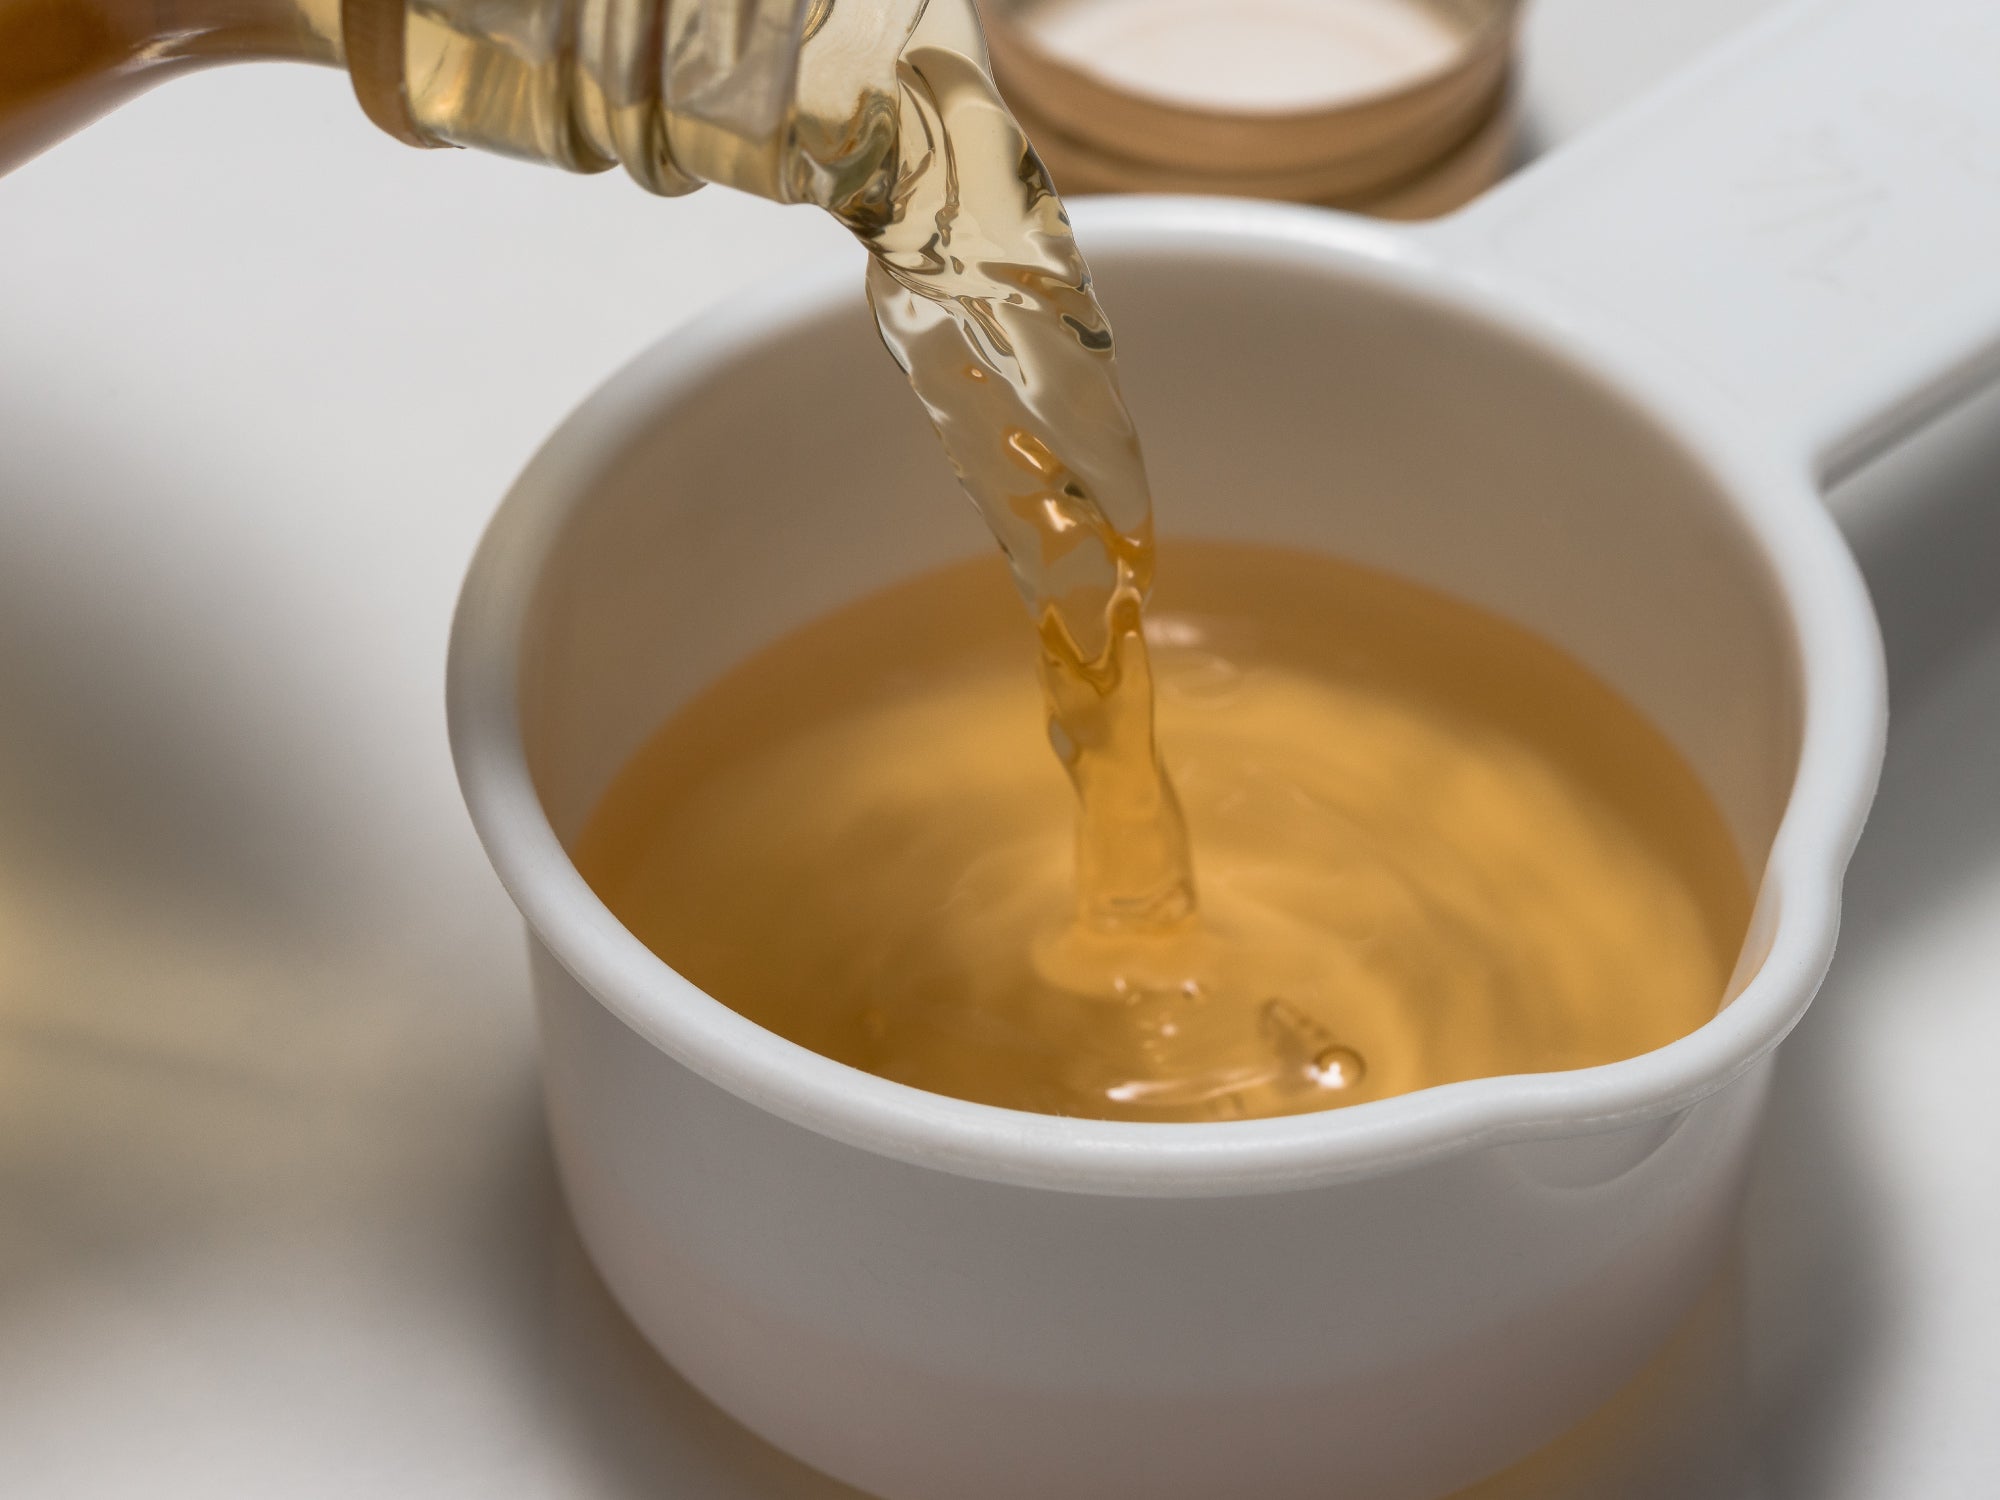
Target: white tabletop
[[277, 1216]]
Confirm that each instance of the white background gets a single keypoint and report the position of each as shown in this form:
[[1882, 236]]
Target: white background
[[276, 1212]]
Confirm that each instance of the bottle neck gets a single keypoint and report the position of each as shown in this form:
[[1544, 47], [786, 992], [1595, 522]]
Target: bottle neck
[[789, 99], [773, 97]]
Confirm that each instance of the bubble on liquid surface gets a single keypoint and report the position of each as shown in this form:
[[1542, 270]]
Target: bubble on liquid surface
[[1336, 1068]]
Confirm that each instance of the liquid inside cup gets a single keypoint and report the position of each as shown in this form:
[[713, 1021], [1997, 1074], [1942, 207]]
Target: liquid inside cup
[[1429, 848]]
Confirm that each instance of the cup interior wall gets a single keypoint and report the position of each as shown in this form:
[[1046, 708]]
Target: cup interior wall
[[1320, 407]]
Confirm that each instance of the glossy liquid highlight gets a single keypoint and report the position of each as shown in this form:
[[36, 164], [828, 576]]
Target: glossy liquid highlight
[[1431, 847]]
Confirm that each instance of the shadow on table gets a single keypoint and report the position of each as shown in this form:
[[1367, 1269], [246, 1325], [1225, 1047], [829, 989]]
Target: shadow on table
[[651, 1434], [152, 749], [1925, 524]]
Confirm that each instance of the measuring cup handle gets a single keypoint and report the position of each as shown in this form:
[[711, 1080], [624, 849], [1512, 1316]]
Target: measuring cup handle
[[1807, 223]]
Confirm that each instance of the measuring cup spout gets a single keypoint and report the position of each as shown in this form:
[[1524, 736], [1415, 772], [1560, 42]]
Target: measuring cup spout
[[1804, 230]]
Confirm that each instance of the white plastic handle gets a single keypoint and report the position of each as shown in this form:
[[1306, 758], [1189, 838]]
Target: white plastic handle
[[1808, 222]]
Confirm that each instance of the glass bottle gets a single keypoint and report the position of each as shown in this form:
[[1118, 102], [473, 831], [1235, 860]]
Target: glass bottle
[[784, 98]]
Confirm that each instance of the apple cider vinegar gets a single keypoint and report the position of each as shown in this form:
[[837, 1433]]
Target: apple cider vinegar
[[1429, 846]]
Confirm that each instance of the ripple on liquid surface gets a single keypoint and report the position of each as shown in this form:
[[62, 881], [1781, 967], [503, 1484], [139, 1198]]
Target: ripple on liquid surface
[[1429, 847]]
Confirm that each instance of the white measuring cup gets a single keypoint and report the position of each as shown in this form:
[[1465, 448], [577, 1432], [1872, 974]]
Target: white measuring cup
[[1602, 403]]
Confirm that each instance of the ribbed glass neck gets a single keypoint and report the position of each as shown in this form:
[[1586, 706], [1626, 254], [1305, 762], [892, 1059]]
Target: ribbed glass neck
[[773, 97]]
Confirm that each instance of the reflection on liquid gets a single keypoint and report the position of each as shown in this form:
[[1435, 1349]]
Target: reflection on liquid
[[1430, 847]]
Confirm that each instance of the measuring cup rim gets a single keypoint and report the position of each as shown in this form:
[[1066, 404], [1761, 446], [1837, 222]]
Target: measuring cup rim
[[1843, 699]]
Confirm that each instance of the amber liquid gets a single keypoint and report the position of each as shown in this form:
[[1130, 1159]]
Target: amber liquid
[[984, 299], [1431, 847]]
